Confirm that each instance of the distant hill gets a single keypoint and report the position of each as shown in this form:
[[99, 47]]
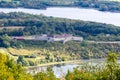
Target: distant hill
[[102, 5]]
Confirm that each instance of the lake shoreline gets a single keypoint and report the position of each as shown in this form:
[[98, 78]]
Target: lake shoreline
[[55, 63], [62, 7], [66, 62]]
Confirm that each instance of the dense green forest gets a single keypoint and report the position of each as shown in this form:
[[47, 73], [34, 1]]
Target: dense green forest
[[110, 70], [101, 5], [39, 24]]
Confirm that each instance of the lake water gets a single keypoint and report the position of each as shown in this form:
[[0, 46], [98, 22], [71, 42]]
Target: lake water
[[61, 69], [73, 13]]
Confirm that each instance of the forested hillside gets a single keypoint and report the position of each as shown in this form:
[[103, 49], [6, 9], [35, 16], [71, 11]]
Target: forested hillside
[[39, 24], [102, 5]]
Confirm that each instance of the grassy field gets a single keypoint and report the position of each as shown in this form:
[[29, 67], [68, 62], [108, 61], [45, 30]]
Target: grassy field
[[3, 50], [37, 56], [22, 51]]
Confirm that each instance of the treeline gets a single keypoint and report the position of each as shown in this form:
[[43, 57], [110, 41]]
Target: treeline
[[101, 5], [36, 4], [39, 24], [43, 4], [75, 50]]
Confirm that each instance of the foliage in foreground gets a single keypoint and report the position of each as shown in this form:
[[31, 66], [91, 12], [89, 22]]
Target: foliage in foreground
[[108, 71], [11, 71]]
